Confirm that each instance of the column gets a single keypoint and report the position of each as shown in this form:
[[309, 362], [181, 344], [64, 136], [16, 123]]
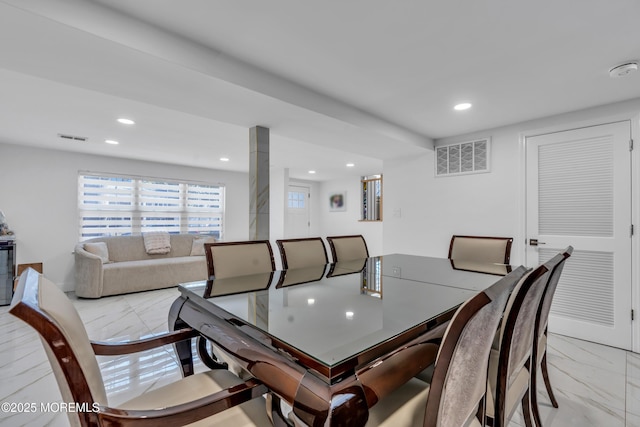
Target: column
[[259, 183]]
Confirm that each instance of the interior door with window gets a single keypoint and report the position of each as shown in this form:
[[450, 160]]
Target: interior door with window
[[298, 213], [578, 185]]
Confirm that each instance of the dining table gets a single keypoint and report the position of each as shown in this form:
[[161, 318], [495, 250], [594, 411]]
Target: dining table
[[332, 340]]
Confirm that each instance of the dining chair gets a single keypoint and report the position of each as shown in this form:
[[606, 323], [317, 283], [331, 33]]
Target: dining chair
[[215, 397], [456, 394], [299, 253], [555, 265], [481, 249], [510, 363], [238, 284], [344, 248], [299, 276], [229, 259], [481, 267]]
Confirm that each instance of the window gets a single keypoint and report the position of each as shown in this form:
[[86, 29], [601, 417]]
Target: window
[[371, 198], [296, 199], [110, 205]]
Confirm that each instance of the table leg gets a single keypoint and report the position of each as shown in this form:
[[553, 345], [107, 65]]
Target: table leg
[[274, 410], [183, 348], [207, 359], [343, 404]]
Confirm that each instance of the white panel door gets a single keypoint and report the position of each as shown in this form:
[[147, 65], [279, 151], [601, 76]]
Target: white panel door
[[298, 213], [578, 185]]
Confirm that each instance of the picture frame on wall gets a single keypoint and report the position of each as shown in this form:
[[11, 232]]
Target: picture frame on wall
[[338, 201]]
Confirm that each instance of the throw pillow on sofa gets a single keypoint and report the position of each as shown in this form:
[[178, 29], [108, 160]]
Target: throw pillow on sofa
[[100, 249], [197, 247]]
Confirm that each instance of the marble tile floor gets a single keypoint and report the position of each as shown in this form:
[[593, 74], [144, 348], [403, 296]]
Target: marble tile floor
[[595, 385]]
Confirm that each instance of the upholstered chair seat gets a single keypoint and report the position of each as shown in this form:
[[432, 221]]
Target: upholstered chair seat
[[406, 407], [201, 385]]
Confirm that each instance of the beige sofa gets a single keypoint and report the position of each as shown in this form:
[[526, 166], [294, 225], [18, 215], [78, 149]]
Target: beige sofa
[[118, 265]]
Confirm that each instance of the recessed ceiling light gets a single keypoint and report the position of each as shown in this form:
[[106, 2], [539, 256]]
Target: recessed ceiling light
[[126, 121], [224, 159], [312, 172], [350, 165], [462, 106], [111, 141]]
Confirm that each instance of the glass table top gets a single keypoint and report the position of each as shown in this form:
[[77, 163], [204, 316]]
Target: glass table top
[[336, 311]]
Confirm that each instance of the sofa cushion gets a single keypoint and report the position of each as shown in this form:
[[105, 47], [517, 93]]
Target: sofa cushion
[[197, 247], [134, 276], [98, 248]]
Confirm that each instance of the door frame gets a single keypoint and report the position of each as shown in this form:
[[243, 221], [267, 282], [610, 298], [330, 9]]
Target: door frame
[[309, 188], [633, 117]]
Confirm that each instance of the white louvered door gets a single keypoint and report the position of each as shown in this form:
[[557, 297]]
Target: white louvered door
[[578, 185]]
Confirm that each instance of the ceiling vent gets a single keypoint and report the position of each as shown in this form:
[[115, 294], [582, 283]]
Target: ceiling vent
[[624, 69], [72, 137]]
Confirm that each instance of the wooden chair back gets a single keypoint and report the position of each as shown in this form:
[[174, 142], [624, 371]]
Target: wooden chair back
[[513, 359], [300, 253], [44, 307], [345, 248], [481, 249], [231, 259], [555, 265], [459, 381]]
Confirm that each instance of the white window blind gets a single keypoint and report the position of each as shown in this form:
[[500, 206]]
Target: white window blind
[[119, 205]]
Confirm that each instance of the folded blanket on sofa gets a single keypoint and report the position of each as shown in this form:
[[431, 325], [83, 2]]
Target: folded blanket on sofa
[[157, 242]]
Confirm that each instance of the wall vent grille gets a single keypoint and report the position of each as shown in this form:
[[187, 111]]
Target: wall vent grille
[[463, 158]]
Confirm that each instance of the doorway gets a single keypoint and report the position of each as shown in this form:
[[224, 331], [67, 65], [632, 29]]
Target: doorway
[[578, 193], [298, 212]]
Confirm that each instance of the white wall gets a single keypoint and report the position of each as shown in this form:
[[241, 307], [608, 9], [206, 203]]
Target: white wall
[[38, 194], [348, 222], [422, 212], [432, 209]]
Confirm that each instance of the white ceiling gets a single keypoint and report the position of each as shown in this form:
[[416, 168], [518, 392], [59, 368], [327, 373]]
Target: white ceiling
[[336, 81]]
